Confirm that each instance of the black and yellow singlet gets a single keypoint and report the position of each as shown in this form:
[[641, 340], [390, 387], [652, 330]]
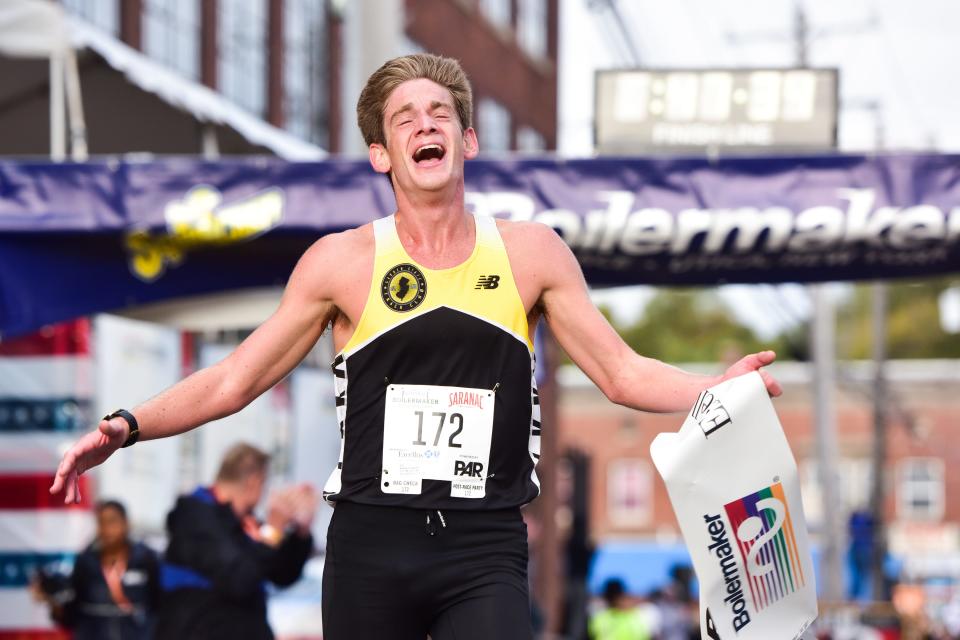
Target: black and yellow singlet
[[436, 398]]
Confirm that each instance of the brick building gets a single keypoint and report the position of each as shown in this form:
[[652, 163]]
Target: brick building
[[629, 502], [508, 48], [300, 64]]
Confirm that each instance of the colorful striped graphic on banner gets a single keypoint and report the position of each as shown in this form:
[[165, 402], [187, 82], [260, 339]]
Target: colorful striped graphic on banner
[[46, 387], [768, 546]]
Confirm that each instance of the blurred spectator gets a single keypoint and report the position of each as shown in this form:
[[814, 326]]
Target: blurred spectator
[[220, 558], [651, 614], [620, 619], [675, 621], [113, 589], [950, 615], [859, 555]]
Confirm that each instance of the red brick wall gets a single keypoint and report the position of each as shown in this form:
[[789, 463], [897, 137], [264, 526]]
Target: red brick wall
[[607, 432], [497, 65]]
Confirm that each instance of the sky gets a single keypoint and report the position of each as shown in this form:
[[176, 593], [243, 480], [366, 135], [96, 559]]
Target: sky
[[898, 89]]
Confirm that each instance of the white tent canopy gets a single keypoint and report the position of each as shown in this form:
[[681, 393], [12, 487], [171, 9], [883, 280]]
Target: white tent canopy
[[130, 102], [226, 310], [31, 29]]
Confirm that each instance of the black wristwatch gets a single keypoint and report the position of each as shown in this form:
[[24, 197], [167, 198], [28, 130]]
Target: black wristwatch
[[134, 427]]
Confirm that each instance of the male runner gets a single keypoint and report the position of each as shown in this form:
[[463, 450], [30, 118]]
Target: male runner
[[433, 312]]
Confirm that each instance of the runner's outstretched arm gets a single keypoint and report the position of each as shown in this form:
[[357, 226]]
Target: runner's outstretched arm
[[258, 363], [624, 376]]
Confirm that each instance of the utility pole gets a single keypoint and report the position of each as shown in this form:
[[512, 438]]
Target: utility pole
[[822, 336], [823, 330], [879, 461], [801, 34], [879, 453]]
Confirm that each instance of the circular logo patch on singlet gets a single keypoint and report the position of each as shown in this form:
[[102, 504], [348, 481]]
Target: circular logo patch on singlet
[[403, 287]]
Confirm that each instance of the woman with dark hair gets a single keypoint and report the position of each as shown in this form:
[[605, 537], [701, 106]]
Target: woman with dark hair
[[112, 592]]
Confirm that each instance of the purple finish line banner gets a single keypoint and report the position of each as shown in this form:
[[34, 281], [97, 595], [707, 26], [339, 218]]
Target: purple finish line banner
[[740, 220], [81, 238]]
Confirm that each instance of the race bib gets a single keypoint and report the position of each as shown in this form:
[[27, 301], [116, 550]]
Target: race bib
[[437, 433]]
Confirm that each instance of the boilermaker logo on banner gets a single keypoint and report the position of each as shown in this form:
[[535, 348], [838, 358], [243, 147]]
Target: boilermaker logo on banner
[[628, 230], [200, 219], [767, 544]]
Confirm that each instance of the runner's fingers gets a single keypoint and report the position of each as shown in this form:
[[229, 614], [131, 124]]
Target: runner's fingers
[[76, 487], [773, 387], [70, 489], [65, 466], [57, 483], [761, 359]]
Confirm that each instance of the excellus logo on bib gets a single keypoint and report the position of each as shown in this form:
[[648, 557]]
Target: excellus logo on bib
[[764, 536]]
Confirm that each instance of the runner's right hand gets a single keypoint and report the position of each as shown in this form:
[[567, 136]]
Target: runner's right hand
[[89, 451]]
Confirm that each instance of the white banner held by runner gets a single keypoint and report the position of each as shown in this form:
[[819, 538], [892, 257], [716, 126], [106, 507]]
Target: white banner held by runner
[[732, 480]]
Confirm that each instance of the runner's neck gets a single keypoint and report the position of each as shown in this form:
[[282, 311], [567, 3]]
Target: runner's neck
[[437, 242]]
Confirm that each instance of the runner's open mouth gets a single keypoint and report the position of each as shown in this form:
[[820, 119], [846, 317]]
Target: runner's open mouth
[[428, 152]]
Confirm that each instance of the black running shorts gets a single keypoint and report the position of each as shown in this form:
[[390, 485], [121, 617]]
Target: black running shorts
[[395, 573]]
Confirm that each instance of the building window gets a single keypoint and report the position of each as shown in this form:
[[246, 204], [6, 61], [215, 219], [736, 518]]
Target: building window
[[305, 70], [242, 39], [530, 140], [100, 13], [532, 27], [920, 491], [493, 126], [497, 12], [630, 492], [171, 34]]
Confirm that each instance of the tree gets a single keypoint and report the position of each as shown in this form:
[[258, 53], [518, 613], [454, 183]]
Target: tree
[[692, 325], [913, 322]]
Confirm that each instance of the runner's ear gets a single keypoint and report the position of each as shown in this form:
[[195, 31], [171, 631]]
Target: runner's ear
[[471, 146], [379, 158]]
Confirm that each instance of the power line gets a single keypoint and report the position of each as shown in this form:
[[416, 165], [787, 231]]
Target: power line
[[623, 35], [900, 78]]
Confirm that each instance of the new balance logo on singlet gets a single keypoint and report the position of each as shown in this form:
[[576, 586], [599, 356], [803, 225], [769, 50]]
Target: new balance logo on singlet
[[488, 282]]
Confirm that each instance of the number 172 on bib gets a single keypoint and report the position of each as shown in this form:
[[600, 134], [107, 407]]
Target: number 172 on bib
[[437, 433]]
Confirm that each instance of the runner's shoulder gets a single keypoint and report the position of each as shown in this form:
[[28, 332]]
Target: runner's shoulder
[[525, 237], [331, 265], [341, 249]]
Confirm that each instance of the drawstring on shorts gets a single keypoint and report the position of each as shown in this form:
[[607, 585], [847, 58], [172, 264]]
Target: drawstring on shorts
[[431, 526]]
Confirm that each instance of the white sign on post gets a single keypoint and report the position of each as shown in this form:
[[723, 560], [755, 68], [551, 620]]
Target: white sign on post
[[733, 483], [135, 361]]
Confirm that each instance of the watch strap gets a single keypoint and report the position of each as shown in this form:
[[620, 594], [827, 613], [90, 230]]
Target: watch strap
[[134, 427]]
